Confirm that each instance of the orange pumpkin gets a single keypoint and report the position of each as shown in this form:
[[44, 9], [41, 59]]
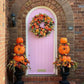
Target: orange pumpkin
[[64, 49], [64, 58], [63, 40], [19, 49], [19, 40], [68, 59], [18, 58]]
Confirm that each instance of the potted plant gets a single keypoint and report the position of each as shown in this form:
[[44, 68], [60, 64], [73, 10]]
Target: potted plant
[[64, 62], [19, 63]]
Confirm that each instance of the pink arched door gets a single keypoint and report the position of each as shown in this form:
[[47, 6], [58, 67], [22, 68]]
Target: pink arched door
[[40, 50]]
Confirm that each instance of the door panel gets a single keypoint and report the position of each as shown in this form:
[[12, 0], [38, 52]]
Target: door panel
[[40, 50]]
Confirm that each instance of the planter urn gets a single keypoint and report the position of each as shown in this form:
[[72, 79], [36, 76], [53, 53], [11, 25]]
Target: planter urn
[[64, 74], [18, 74]]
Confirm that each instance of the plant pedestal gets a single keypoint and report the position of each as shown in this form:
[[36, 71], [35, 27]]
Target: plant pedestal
[[64, 74], [18, 74]]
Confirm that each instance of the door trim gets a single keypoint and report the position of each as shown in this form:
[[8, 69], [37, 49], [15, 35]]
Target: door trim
[[55, 34]]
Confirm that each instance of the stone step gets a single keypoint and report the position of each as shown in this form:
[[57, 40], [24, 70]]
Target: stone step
[[45, 82], [41, 79]]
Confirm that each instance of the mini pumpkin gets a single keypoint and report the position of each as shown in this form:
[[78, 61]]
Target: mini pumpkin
[[18, 58], [19, 40], [63, 40], [64, 49], [19, 49]]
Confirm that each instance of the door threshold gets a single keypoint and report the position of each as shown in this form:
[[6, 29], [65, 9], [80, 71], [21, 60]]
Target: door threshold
[[36, 75]]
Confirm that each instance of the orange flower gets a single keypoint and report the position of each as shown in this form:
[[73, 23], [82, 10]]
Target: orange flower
[[41, 15], [58, 64], [36, 26], [48, 17], [46, 27], [32, 27], [35, 19], [45, 31], [48, 21], [38, 21], [41, 18], [37, 30], [41, 28], [69, 66], [32, 21], [49, 29], [41, 32], [45, 18], [44, 34]]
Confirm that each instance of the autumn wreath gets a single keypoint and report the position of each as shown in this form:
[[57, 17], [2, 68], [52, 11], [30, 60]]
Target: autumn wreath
[[37, 29]]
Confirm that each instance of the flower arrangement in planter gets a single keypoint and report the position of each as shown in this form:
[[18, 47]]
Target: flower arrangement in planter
[[19, 59], [64, 61], [19, 62], [37, 29]]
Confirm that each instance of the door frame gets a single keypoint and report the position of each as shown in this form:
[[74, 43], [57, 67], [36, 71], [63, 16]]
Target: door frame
[[55, 35]]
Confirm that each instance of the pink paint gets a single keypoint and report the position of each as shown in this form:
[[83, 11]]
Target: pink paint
[[41, 50], [42, 25]]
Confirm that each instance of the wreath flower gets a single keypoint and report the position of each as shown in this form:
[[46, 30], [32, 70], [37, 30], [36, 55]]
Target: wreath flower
[[37, 29]]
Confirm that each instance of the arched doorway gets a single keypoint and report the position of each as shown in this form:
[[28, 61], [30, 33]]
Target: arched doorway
[[41, 51]]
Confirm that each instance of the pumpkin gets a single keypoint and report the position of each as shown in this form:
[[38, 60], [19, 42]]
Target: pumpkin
[[19, 49], [18, 58], [64, 49], [63, 40], [19, 40], [68, 59], [64, 59]]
